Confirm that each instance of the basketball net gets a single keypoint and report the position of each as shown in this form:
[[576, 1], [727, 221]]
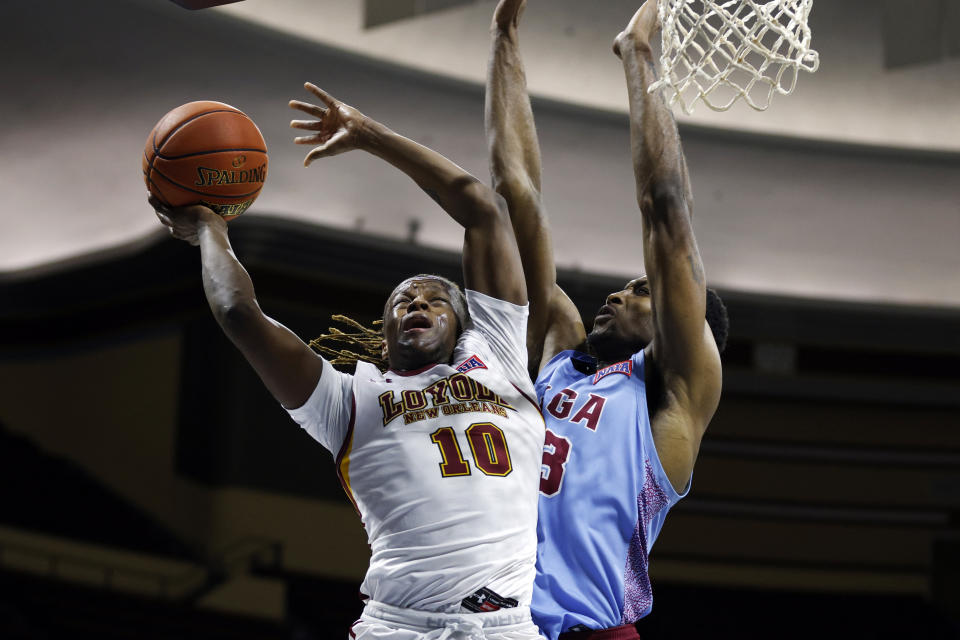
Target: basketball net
[[720, 51]]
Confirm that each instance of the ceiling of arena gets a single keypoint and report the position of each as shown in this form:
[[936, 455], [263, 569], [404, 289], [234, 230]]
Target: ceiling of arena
[[846, 189], [379, 12], [887, 76]]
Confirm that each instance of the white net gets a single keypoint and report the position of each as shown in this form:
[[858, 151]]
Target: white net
[[719, 51]]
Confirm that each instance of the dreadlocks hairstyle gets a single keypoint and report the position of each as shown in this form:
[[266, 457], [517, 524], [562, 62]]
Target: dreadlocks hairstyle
[[717, 319], [368, 341]]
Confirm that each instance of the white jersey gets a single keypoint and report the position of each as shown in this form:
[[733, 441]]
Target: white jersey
[[442, 464]]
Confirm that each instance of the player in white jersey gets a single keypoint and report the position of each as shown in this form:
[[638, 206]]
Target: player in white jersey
[[440, 462], [635, 406], [440, 453]]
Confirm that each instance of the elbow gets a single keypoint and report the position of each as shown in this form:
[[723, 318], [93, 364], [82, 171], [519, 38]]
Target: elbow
[[236, 317], [664, 200], [489, 206], [514, 183]]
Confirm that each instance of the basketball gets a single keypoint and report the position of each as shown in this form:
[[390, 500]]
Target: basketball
[[206, 153]]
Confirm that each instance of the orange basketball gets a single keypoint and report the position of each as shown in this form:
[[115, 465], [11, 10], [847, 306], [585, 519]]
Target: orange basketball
[[208, 153]]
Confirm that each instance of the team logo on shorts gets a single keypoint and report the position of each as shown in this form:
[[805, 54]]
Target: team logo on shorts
[[471, 363], [625, 367]]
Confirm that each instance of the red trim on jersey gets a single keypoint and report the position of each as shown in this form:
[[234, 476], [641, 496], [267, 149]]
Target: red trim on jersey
[[414, 372], [531, 401], [623, 632], [344, 449]]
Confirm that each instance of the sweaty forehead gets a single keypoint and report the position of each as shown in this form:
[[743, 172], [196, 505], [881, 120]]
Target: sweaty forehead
[[639, 280], [416, 285]]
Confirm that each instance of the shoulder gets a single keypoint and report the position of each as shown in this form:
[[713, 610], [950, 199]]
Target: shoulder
[[482, 303], [501, 323], [694, 391], [365, 373], [497, 329]]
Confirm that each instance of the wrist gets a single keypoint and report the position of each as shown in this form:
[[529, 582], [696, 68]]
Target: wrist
[[209, 220], [370, 135], [636, 52]]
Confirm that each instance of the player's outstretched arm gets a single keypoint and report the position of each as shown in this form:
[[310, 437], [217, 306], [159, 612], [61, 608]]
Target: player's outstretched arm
[[682, 352], [491, 261], [287, 366], [514, 149]]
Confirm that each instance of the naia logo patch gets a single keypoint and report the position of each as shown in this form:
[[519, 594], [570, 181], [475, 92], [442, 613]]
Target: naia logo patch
[[471, 363], [625, 367]]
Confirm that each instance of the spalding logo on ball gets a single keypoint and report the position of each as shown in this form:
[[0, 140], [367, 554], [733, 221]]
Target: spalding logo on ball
[[206, 153]]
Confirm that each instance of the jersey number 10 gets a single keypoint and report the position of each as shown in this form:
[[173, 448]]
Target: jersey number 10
[[488, 447]]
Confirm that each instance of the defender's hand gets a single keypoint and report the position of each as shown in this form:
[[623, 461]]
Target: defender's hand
[[507, 14], [184, 223], [339, 127]]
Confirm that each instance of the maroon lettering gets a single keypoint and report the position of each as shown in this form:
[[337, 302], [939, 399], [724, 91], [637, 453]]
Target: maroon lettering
[[590, 412], [453, 463], [556, 450], [562, 403], [460, 387], [489, 448], [390, 409], [414, 400], [482, 393], [438, 391]]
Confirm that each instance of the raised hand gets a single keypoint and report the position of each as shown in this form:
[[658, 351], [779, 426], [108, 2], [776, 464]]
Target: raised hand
[[339, 127], [507, 14], [642, 27], [183, 223]]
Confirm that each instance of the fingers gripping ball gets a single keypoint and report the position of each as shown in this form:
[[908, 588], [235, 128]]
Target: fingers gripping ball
[[206, 153]]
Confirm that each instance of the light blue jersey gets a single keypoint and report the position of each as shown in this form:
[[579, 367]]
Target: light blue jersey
[[603, 496]]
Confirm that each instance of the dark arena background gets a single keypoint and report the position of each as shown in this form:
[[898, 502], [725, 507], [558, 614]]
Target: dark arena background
[[151, 488]]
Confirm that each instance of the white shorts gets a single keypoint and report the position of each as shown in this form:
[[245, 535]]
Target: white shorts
[[382, 621]]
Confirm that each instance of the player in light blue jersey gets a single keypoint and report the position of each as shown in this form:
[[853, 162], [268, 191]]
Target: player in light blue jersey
[[626, 406]]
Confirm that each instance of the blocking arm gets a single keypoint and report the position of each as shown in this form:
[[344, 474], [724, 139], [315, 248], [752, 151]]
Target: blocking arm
[[515, 166], [682, 351]]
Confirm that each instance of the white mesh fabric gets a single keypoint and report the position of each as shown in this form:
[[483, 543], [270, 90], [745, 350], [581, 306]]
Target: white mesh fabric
[[719, 51]]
